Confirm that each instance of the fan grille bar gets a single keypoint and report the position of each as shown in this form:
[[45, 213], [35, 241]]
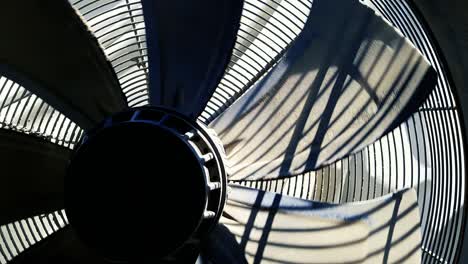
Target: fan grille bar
[[426, 152], [20, 235], [23, 111]]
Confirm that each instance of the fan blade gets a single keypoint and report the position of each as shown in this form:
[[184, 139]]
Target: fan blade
[[263, 227], [47, 48], [222, 247], [189, 46], [347, 79], [32, 176], [61, 247]]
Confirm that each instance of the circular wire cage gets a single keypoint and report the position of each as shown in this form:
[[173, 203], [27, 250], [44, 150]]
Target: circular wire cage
[[426, 151]]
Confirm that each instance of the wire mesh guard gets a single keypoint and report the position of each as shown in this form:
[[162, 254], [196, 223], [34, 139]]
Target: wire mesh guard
[[425, 152]]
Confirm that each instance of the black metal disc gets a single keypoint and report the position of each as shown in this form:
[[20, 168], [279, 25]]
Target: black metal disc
[[135, 191]]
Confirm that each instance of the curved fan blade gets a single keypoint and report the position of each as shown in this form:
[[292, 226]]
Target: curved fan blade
[[262, 227], [61, 247], [32, 176], [348, 79], [222, 247], [47, 48], [189, 46]]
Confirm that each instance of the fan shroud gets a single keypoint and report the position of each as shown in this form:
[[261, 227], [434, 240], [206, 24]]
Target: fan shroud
[[424, 140]]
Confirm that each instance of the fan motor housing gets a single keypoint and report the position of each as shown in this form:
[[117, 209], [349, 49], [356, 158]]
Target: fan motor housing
[[146, 184]]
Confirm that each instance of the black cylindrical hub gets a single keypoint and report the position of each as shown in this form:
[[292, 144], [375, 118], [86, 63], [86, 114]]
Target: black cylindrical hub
[[143, 184]]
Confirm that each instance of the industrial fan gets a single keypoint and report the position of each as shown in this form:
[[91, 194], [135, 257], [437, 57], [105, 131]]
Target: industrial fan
[[150, 184]]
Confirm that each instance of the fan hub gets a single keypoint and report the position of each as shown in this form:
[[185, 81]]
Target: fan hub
[[141, 185]]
